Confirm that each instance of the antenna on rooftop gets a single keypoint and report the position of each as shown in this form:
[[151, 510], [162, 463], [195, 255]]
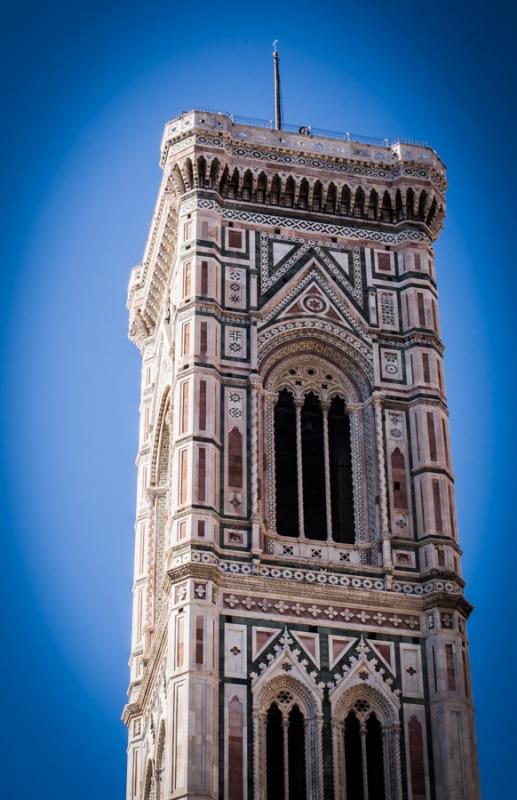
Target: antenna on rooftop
[[278, 99]]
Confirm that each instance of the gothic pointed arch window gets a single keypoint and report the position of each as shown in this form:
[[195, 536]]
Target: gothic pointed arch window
[[313, 458], [288, 733], [366, 747]]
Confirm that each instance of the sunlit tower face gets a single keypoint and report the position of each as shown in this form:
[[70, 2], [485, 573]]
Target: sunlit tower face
[[299, 619]]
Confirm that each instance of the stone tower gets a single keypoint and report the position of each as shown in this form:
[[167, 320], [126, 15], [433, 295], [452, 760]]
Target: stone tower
[[299, 619]]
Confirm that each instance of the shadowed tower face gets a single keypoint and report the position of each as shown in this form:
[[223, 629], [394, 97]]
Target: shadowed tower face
[[299, 625]]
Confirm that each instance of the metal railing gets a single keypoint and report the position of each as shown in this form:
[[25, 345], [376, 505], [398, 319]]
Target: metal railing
[[309, 131]]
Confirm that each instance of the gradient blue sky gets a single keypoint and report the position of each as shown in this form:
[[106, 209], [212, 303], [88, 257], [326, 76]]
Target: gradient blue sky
[[88, 88]]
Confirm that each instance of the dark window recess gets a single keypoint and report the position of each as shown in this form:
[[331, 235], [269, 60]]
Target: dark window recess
[[421, 309], [374, 759], [203, 338], [274, 754], [341, 484], [451, 672], [202, 405], [296, 750], [431, 436], [285, 466], [353, 757], [313, 465], [426, 368], [204, 277]]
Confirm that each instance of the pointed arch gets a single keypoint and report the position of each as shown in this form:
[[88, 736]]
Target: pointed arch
[[422, 202], [386, 210], [303, 195], [224, 181], [189, 171], [233, 185], [331, 198], [373, 205], [215, 166], [247, 185], [201, 172], [346, 199], [261, 188], [359, 202], [432, 212], [289, 191], [380, 740], [285, 711], [276, 190], [399, 208], [317, 196], [410, 203], [177, 179], [149, 784]]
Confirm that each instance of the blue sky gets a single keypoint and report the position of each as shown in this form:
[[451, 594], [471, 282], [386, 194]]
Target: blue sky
[[88, 88]]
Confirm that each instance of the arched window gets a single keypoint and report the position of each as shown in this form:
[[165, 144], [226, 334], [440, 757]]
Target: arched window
[[289, 192], [286, 468], [330, 202], [313, 461], [359, 203], [345, 200], [260, 192], [313, 469], [276, 188], [341, 479], [399, 206], [386, 207], [316, 196], [364, 754], [303, 197], [247, 185], [201, 171], [285, 751], [410, 203], [373, 205]]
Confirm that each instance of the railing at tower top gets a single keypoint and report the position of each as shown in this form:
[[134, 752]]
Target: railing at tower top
[[309, 131]]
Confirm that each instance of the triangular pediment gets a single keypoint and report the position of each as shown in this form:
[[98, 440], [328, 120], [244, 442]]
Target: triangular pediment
[[281, 258], [311, 293]]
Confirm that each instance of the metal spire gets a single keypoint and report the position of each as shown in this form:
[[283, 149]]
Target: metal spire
[[278, 100]]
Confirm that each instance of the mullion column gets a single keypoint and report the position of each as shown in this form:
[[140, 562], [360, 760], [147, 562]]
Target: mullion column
[[325, 406], [299, 464], [364, 761], [285, 732]]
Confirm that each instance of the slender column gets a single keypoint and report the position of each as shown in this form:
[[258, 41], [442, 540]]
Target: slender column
[[381, 463], [325, 406], [364, 761], [285, 731], [299, 465]]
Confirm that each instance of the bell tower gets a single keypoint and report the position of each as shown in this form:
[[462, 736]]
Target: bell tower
[[299, 624]]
